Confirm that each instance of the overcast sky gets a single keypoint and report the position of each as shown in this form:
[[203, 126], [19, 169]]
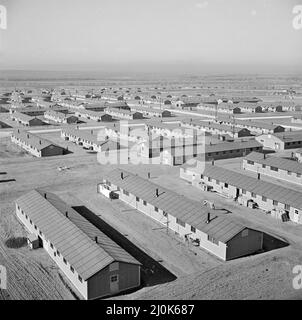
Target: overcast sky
[[218, 35]]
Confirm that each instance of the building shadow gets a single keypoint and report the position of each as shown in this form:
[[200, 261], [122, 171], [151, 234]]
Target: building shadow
[[272, 243], [152, 272], [7, 180], [4, 125], [67, 151]]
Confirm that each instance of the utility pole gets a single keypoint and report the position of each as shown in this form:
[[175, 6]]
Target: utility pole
[[233, 126], [167, 223]]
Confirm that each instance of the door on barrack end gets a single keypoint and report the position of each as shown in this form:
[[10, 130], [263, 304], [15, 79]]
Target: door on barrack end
[[114, 283]]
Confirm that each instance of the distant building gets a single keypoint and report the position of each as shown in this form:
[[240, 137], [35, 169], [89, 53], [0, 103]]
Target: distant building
[[3, 109], [95, 265], [297, 119], [217, 129], [93, 115], [281, 141], [298, 155], [124, 114], [221, 108], [121, 105], [254, 126], [250, 107], [60, 117], [187, 103], [97, 107], [275, 167], [35, 145], [182, 153], [30, 111], [282, 202], [89, 140], [26, 120], [152, 112], [217, 234]]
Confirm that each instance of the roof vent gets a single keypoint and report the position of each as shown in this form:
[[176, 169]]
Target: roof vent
[[208, 218]]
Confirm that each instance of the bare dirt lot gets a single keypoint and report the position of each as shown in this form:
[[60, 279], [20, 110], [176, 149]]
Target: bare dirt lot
[[199, 275]]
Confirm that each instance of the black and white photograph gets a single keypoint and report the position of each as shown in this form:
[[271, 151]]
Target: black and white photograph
[[150, 153]]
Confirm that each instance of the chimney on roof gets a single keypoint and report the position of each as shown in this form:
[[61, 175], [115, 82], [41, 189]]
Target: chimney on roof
[[264, 156], [258, 176], [66, 214], [40, 142], [27, 136], [96, 239], [209, 218], [45, 195], [157, 193], [122, 175]]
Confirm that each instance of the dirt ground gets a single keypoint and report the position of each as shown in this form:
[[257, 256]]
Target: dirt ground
[[199, 275]]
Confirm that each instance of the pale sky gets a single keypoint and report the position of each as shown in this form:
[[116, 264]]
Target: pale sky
[[212, 35]]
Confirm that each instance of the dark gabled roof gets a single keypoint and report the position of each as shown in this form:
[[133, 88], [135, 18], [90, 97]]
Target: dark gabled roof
[[189, 211], [73, 236], [226, 146], [281, 163], [263, 188]]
